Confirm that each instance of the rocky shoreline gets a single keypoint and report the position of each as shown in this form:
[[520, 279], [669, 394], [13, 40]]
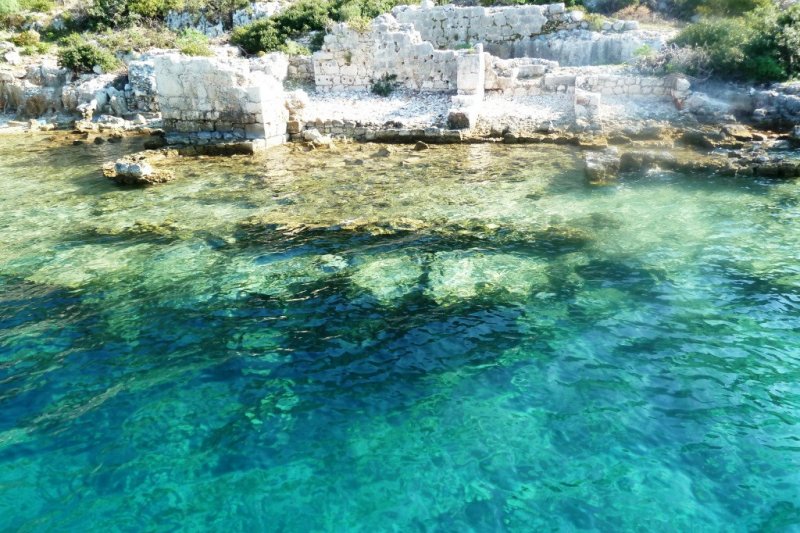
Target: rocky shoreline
[[539, 75]]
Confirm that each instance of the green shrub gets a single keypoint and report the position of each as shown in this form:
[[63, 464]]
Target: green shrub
[[221, 10], [194, 43], [272, 34], [788, 38], [761, 46], [344, 10], [135, 39], [294, 49], [317, 40], [42, 6], [80, 55], [306, 16], [716, 8], [260, 36], [36, 49], [612, 6], [385, 85], [117, 13], [26, 38], [595, 21], [303, 17], [9, 7], [360, 24]]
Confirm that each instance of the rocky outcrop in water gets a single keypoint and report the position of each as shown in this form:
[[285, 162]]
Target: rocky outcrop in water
[[138, 170]]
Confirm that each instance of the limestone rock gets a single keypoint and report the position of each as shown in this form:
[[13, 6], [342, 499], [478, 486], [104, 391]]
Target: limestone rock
[[316, 138], [738, 132], [461, 118], [646, 160], [420, 146], [701, 139], [12, 57], [602, 167], [136, 170]]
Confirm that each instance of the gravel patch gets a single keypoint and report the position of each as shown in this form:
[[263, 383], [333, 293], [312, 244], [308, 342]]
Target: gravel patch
[[409, 108], [618, 108]]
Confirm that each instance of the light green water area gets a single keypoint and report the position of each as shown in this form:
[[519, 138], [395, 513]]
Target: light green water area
[[469, 338]]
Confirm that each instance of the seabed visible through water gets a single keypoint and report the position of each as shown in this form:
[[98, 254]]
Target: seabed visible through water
[[469, 338]]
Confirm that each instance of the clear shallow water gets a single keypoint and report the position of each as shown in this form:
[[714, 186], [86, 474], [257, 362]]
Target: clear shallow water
[[467, 339]]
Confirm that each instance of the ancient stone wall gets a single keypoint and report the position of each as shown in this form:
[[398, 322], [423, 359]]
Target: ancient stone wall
[[301, 70], [212, 98], [543, 31], [533, 77], [627, 85], [577, 48], [353, 60], [450, 26]]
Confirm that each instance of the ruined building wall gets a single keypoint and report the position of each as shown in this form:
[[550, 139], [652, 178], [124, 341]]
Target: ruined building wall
[[543, 31], [232, 99], [353, 60]]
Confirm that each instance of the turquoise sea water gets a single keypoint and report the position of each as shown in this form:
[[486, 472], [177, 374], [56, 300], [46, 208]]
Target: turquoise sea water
[[467, 339]]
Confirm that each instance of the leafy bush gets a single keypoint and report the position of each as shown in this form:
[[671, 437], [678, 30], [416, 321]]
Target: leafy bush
[[360, 24], [260, 36], [612, 6], [42, 6], [718, 8], [303, 17], [345, 10], [674, 59], [760, 46], [117, 13], [317, 40], [135, 39], [221, 10], [294, 49], [595, 21], [306, 16], [194, 43], [642, 13], [385, 85], [272, 34], [80, 55], [9, 7], [26, 38]]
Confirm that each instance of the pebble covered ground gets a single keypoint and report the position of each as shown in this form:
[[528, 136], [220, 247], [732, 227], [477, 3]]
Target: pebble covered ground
[[525, 113], [410, 108]]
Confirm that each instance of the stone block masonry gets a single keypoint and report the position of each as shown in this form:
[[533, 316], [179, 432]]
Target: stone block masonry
[[450, 26], [353, 60], [206, 98], [543, 31]]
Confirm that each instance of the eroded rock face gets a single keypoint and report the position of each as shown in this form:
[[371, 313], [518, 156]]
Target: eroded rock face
[[646, 160]]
